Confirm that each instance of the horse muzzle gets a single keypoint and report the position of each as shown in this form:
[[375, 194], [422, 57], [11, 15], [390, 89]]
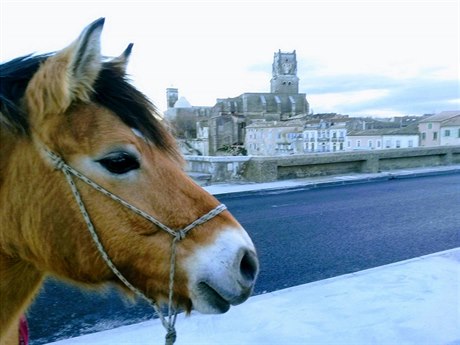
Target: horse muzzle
[[222, 273]]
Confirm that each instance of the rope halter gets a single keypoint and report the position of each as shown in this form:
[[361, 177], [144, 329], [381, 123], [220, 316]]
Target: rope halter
[[178, 235]]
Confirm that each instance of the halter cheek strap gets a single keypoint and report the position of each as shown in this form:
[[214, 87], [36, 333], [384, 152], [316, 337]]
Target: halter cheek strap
[[177, 235]]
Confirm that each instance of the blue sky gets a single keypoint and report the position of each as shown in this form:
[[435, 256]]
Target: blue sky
[[371, 57]]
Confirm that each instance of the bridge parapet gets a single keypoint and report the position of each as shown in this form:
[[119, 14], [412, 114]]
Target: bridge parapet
[[267, 169]]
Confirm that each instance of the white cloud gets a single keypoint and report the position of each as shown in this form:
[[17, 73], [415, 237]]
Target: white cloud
[[330, 102]]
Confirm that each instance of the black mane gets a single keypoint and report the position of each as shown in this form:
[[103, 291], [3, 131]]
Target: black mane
[[14, 77], [111, 90]]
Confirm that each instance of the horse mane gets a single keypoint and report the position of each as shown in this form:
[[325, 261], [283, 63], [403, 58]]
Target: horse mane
[[14, 77], [112, 90]]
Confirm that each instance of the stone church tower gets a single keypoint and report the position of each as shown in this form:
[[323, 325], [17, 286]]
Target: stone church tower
[[284, 73], [225, 122], [172, 95]]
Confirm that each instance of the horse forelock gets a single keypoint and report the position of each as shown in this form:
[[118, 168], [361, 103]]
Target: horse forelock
[[111, 90], [14, 78]]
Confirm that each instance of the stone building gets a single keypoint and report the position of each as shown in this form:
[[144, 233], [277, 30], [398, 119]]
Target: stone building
[[273, 138], [226, 121], [231, 116], [295, 136], [182, 115]]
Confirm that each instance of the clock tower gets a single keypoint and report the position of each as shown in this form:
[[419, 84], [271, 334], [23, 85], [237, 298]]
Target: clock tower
[[284, 73]]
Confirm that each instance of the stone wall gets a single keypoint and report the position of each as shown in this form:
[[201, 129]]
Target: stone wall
[[217, 168], [266, 169]]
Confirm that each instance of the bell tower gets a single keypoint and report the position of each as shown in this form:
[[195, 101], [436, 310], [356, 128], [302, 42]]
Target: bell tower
[[284, 73], [172, 95]]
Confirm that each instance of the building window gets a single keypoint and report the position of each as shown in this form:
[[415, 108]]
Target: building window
[[423, 135], [430, 125], [447, 133], [398, 144], [348, 143], [435, 135], [341, 146], [358, 143], [411, 143], [388, 144], [378, 143], [369, 143]]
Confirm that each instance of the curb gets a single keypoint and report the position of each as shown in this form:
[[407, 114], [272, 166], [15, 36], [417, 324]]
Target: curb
[[302, 186]]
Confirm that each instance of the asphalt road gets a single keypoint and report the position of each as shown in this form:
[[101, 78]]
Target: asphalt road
[[301, 236]]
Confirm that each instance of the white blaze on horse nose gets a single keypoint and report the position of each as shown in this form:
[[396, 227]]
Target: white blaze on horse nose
[[222, 273]]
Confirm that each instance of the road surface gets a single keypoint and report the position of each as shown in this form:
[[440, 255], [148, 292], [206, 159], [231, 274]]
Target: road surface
[[301, 236]]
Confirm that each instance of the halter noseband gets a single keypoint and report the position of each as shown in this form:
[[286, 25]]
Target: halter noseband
[[178, 235]]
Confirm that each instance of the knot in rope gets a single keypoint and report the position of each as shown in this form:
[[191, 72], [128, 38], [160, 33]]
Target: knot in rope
[[171, 336], [180, 235], [58, 162]]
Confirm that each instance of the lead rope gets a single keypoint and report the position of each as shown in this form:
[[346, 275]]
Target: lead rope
[[179, 235]]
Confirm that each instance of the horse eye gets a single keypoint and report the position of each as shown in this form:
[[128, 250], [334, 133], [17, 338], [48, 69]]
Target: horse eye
[[119, 163]]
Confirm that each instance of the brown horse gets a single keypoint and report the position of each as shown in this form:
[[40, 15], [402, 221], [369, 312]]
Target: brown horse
[[79, 106]]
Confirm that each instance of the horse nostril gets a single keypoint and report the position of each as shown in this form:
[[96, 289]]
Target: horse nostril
[[249, 266]]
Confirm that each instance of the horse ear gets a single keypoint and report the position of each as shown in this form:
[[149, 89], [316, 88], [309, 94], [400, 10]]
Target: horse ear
[[86, 60], [68, 75], [121, 62]]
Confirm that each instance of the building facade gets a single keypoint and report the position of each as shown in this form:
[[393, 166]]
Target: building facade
[[383, 138], [440, 129], [450, 132], [273, 138], [324, 136], [298, 136]]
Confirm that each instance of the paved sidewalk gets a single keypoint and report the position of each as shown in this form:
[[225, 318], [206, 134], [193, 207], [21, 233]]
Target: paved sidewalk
[[415, 301]]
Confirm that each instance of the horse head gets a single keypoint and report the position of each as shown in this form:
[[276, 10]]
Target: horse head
[[81, 107]]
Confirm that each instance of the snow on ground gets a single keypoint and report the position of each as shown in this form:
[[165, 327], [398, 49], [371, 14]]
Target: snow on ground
[[415, 301]]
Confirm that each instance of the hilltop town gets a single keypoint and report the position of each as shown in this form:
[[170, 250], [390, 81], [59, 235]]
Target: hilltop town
[[280, 123]]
